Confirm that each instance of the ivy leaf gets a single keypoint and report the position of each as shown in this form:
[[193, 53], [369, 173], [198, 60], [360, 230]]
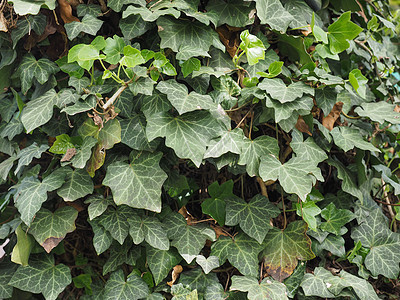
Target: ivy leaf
[[279, 19], [61, 144], [358, 81], [161, 262], [194, 130], [308, 211], [308, 149], [133, 26], [335, 218], [284, 111], [242, 252], [379, 112], [83, 153], [233, 13], [42, 276], [114, 48], [78, 184], [253, 216], [25, 25], [102, 239], [155, 103], [114, 220], [110, 134], [334, 244], [139, 183], [183, 101], [89, 24], [132, 57], [230, 141], [120, 254], [7, 269], [283, 248], [149, 15], [150, 229], [181, 36], [49, 229], [208, 264], [347, 138], [341, 31], [188, 239], [190, 65], [39, 110], [278, 90], [97, 205], [294, 175], [22, 249], [26, 155], [116, 5], [31, 68], [24, 7], [274, 70], [253, 150], [252, 46], [132, 288], [383, 257], [267, 289], [180, 292], [31, 193], [195, 279], [326, 99]]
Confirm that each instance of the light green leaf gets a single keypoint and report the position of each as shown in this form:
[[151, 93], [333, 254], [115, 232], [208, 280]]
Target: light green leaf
[[89, 24], [194, 130], [188, 239], [358, 81], [137, 184], [132, 57], [161, 262], [379, 112], [271, 12], [190, 65], [253, 216], [26, 155], [230, 141], [133, 133], [308, 211], [183, 101], [233, 13], [114, 48], [242, 252], [180, 36], [180, 292], [78, 184], [97, 205], [278, 90], [348, 137], [335, 218], [341, 31], [274, 70], [24, 7], [308, 149], [149, 229], [61, 144], [208, 264], [115, 221], [22, 249], [132, 288], [283, 248], [49, 229], [374, 233], [267, 289], [253, 150], [253, 47], [133, 26], [42, 276], [102, 239]]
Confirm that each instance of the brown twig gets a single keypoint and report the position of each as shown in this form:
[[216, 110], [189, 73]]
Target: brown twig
[[263, 187]]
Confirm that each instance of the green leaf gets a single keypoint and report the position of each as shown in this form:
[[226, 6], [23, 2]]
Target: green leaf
[[110, 134], [348, 137], [150, 229], [39, 110], [22, 249], [83, 153], [253, 150], [194, 130], [180, 292], [308, 211], [294, 175], [379, 112], [27, 154], [7, 269], [97, 205], [278, 90], [188, 239], [373, 233], [25, 25], [195, 279], [358, 81], [120, 254], [137, 184], [233, 13], [308, 149], [61, 144], [284, 111], [115, 221], [42, 276], [39, 69], [267, 289], [271, 12], [274, 70], [230, 141], [78, 184], [181, 36], [242, 252], [190, 65], [132, 288], [335, 218], [49, 229], [116, 5], [161, 262], [183, 101], [341, 31], [24, 7], [208, 264], [31, 193], [133, 26], [149, 15], [132, 57], [252, 46], [283, 248], [253, 217], [335, 245], [89, 24], [114, 48], [102, 239]]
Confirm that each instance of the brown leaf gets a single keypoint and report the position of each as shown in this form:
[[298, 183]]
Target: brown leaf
[[397, 108], [51, 243], [302, 126], [3, 23], [329, 120], [175, 274], [219, 230], [306, 31], [230, 37], [66, 11], [69, 154]]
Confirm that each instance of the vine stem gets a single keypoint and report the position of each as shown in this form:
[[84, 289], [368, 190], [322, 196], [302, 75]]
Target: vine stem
[[118, 93]]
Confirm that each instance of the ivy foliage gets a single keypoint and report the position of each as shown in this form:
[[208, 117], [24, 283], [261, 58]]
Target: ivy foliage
[[199, 149]]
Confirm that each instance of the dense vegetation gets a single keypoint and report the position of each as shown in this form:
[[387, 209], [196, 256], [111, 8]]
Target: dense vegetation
[[199, 149]]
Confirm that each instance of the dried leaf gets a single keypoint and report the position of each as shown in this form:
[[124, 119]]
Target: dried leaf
[[302, 126], [66, 11], [175, 274], [3, 23], [69, 154], [329, 120], [230, 37]]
